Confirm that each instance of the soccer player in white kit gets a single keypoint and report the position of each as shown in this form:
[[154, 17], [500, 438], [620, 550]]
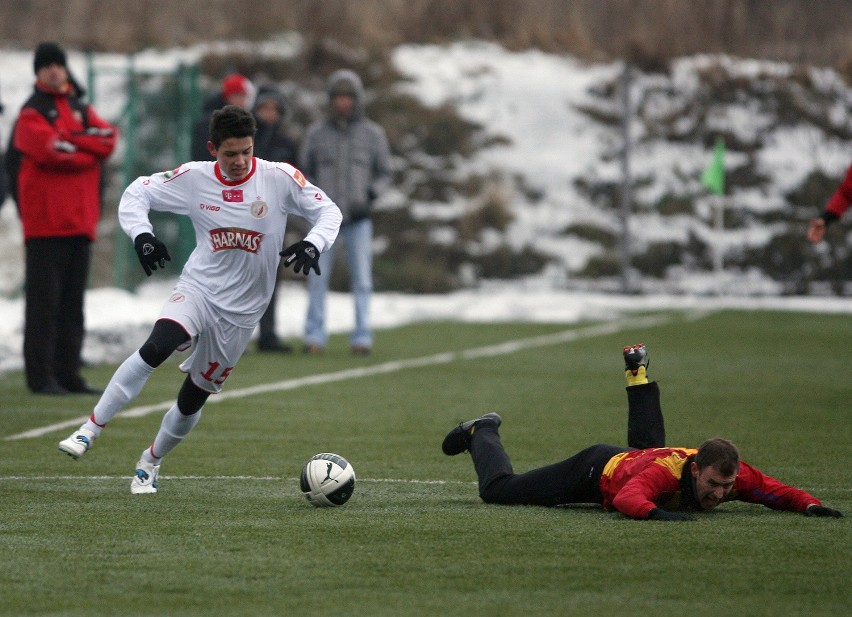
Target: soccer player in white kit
[[238, 206]]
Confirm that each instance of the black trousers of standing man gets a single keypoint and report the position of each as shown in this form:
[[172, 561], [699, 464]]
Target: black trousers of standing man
[[57, 270], [574, 480]]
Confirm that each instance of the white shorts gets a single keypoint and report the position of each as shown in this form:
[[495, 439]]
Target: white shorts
[[216, 343]]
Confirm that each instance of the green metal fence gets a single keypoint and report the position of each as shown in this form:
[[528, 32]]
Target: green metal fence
[[156, 124]]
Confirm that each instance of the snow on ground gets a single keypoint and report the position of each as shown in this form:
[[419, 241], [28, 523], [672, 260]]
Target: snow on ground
[[119, 321]]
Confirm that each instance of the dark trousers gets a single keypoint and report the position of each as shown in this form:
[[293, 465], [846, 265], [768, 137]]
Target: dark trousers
[[574, 480], [57, 270], [267, 334]]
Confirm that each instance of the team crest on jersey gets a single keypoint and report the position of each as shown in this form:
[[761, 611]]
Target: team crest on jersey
[[230, 238], [259, 209], [177, 297]]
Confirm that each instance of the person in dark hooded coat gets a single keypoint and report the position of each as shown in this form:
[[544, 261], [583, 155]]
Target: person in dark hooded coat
[[271, 142]]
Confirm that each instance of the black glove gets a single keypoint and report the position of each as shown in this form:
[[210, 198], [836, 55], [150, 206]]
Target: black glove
[[823, 511], [664, 515], [151, 252], [304, 255]]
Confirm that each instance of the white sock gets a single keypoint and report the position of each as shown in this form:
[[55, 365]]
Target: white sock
[[126, 384], [174, 428]]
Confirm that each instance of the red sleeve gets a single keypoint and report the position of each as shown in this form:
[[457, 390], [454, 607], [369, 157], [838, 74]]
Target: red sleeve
[[839, 202], [36, 138], [754, 486], [100, 146], [640, 495]]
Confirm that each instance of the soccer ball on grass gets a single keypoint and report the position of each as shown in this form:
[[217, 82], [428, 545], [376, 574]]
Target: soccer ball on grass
[[327, 480]]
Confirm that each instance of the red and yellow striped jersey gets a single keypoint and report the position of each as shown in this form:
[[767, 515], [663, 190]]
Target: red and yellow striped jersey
[[638, 481]]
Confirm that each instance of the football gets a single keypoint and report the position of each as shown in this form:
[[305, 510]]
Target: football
[[327, 480]]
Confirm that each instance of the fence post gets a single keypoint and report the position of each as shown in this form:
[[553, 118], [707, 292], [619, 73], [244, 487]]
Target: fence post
[[624, 243], [120, 256]]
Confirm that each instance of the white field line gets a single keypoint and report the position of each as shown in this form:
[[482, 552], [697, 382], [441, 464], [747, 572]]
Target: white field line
[[37, 478], [41, 478], [507, 347]]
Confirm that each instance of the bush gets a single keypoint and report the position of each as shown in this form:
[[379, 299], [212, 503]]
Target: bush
[[657, 259], [600, 266], [592, 233], [504, 263]]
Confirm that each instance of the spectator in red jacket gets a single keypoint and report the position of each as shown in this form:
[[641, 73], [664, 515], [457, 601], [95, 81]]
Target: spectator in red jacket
[[235, 89], [834, 209], [63, 143], [644, 481]]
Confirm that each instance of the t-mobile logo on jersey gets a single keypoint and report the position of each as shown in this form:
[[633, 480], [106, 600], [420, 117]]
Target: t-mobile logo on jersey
[[228, 238], [232, 195]]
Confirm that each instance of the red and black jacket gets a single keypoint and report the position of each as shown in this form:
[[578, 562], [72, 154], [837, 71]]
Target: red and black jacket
[[637, 481], [840, 200], [63, 143]]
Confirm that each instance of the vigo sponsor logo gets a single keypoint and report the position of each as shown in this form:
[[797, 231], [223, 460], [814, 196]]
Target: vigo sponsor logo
[[210, 207], [232, 195], [227, 238]]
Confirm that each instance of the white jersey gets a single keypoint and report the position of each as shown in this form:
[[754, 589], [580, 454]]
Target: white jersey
[[239, 227]]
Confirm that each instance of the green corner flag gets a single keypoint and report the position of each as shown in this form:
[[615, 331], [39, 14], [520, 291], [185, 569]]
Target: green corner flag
[[713, 177]]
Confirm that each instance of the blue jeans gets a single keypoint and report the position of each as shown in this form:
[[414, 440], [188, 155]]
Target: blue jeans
[[358, 239]]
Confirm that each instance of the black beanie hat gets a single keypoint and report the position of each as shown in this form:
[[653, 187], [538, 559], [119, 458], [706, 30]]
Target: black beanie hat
[[47, 54]]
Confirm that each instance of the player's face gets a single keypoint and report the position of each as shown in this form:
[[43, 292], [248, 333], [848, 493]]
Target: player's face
[[234, 156], [711, 486]]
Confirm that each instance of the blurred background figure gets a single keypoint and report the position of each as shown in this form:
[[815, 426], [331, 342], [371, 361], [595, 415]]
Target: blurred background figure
[[3, 182], [236, 89], [273, 144], [348, 155], [59, 144], [834, 209]]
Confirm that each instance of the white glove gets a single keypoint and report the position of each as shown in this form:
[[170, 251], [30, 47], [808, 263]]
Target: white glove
[[64, 146]]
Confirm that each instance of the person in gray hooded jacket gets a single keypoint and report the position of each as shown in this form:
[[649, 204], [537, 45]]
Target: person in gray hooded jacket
[[348, 155]]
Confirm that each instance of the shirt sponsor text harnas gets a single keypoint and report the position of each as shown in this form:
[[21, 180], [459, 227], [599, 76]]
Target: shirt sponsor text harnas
[[226, 238]]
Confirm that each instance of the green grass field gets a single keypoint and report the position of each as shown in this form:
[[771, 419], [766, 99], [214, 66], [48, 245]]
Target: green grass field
[[230, 533]]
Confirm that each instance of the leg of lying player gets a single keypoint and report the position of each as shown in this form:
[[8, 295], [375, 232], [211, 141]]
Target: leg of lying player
[[645, 424], [575, 479], [177, 423], [126, 384]]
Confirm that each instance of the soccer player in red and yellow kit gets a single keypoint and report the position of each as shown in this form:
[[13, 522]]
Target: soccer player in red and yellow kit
[[646, 480]]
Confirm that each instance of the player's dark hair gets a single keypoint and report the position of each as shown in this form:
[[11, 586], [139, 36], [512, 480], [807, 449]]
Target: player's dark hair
[[231, 121], [720, 454]]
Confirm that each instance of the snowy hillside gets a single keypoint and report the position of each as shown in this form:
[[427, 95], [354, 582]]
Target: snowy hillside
[[562, 121], [548, 137], [550, 140]]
